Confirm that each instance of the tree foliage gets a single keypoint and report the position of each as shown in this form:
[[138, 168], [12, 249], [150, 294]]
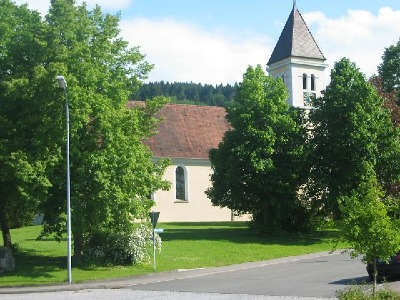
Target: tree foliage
[[390, 99], [258, 165], [389, 69], [184, 92], [367, 225], [351, 130], [23, 183], [391, 103], [112, 172]]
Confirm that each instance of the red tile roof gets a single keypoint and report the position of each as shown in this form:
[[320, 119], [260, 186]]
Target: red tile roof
[[188, 131]]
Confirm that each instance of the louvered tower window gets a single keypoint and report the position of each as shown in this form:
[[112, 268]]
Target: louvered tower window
[[313, 82], [304, 81]]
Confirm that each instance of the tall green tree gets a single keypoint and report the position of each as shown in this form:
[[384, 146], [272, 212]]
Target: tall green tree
[[350, 130], [259, 165], [23, 183], [112, 172], [367, 225]]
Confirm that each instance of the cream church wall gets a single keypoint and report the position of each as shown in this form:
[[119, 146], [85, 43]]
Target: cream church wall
[[197, 208]]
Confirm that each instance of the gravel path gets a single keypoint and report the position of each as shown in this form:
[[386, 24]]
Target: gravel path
[[127, 294]]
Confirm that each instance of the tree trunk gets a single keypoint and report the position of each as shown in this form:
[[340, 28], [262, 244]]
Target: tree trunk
[[5, 228], [265, 218], [270, 219], [78, 246]]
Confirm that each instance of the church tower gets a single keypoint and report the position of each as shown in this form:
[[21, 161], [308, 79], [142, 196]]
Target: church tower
[[298, 60]]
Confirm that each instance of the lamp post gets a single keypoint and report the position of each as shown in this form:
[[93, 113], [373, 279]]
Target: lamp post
[[63, 84]]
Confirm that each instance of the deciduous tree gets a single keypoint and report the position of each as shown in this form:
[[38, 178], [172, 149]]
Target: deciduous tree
[[23, 161], [351, 129], [366, 224], [112, 172], [258, 167]]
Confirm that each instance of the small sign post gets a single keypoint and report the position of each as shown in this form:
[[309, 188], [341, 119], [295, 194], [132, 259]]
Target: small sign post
[[154, 218]]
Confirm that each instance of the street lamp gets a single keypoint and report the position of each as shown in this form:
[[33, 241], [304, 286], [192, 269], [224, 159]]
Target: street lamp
[[63, 84]]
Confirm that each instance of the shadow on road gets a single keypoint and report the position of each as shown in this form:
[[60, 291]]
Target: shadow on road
[[352, 281]]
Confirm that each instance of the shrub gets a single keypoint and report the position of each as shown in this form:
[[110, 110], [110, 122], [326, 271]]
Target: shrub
[[122, 247], [359, 294]]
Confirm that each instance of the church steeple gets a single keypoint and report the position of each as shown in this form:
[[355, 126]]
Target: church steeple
[[295, 40], [298, 60]]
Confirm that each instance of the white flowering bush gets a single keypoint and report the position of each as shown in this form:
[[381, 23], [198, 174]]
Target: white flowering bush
[[123, 247]]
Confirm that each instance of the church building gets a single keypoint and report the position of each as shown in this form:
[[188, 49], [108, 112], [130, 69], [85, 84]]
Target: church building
[[187, 132]]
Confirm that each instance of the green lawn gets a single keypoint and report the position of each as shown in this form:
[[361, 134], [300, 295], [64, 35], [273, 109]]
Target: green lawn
[[185, 246]]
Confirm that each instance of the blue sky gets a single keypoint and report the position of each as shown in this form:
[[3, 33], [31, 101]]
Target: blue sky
[[260, 16], [213, 41]]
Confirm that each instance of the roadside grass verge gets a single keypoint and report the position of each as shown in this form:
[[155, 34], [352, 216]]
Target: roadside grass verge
[[185, 246]]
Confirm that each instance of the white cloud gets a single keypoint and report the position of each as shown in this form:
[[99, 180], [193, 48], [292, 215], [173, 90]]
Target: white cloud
[[183, 52], [359, 35]]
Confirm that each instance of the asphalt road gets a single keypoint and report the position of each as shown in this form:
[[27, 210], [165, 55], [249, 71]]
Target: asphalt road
[[317, 275]]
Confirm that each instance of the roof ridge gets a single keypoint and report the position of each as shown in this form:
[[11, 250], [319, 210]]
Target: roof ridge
[[195, 105]]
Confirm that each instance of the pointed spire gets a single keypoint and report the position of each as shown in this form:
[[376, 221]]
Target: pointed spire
[[295, 40]]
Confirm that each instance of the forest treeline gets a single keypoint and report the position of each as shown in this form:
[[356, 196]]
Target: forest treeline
[[188, 93]]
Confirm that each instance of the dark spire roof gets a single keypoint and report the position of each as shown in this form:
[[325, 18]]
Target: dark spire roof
[[295, 40]]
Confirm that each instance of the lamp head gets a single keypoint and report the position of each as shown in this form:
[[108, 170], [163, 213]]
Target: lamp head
[[62, 83]]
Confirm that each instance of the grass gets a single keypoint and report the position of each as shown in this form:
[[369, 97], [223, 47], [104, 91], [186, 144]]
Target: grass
[[185, 246]]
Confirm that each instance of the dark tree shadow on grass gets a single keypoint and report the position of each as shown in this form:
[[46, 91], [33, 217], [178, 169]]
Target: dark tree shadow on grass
[[31, 264], [243, 235]]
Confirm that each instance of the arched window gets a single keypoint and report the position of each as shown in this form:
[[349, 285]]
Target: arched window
[[312, 82], [304, 81], [180, 183]]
